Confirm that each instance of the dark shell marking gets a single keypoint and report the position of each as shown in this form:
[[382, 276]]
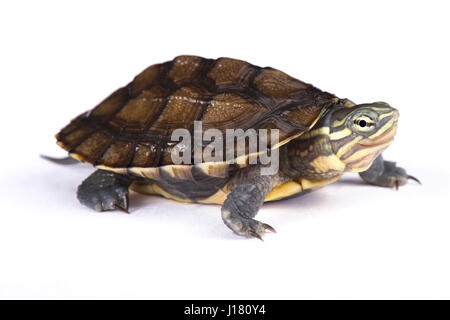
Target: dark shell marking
[[191, 183], [132, 127]]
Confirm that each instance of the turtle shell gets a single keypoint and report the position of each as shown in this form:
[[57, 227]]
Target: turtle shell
[[132, 127]]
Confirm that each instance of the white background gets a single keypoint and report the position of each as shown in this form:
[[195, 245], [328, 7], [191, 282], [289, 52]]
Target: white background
[[348, 240]]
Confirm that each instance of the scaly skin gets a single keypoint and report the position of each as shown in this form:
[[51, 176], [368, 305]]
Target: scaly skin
[[386, 174], [104, 190], [246, 198]]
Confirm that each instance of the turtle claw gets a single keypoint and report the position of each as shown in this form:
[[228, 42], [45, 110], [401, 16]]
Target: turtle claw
[[268, 227], [399, 175], [414, 178], [122, 202], [408, 177], [255, 235], [254, 229], [122, 208], [244, 226], [396, 184]]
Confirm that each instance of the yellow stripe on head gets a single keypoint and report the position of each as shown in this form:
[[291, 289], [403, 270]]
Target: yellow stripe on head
[[340, 134], [315, 132], [387, 126], [346, 147]]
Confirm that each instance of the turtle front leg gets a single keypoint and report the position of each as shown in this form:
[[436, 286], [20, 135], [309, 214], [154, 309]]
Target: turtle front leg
[[104, 190], [242, 205], [386, 174]]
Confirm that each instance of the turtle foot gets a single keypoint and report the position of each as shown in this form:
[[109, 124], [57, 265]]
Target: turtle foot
[[103, 191], [387, 174], [246, 227], [241, 207]]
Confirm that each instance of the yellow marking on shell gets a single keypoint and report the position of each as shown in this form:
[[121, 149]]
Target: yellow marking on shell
[[61, 144], [314, 184], [284, 190], [326, 163], [340, 134], [178, 171], [346, 147], [154, 189], [77, 156], [115, 170], [150, 173], [383, 129], [169, 170], [182, 172], [214, 169], [217, 198]]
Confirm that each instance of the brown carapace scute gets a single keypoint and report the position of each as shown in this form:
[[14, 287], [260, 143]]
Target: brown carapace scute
[[133, 126]]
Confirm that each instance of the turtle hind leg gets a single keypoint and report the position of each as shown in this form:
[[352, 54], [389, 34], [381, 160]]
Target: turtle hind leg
[[104, 190], [242, 205], [386, 174]]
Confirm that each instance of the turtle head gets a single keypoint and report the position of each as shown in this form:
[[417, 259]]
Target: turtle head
[[360, 133]]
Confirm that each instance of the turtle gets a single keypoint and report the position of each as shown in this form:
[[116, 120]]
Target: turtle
[[128, 139]]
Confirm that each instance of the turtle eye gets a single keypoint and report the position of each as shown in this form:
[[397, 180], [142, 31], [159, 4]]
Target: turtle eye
[[363, 123]]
